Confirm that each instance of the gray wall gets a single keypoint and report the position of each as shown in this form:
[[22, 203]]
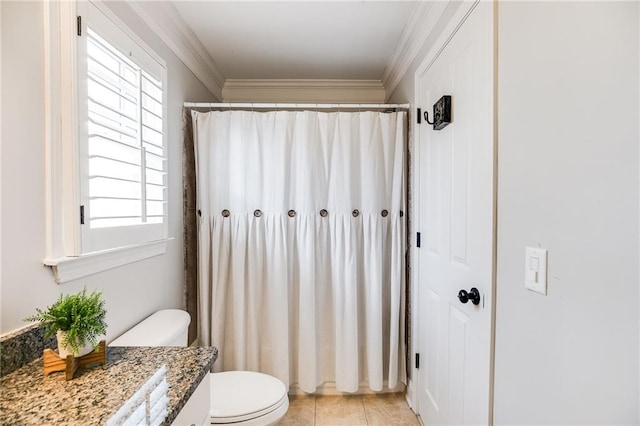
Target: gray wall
[[568, 161], [131, 292], [568, 181]]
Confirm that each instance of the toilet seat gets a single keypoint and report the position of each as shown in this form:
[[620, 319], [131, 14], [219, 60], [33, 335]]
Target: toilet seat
[[245, 397]]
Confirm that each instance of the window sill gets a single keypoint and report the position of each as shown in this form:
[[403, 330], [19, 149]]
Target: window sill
[[71, 268]]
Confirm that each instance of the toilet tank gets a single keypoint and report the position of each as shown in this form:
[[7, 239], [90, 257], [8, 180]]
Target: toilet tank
[[168, 327]]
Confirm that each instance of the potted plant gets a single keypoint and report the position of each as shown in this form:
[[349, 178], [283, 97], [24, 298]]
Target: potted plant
[[78, 321]]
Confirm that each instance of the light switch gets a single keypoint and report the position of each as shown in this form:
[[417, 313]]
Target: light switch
[[535, 278]]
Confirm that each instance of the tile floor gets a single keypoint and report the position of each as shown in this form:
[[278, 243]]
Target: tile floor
[[352, 410]]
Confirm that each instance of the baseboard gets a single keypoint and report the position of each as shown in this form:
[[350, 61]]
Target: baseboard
[[329, 388], [410, 395]]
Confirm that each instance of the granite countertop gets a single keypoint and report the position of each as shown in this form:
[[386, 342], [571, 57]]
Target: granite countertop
[[164, 377]]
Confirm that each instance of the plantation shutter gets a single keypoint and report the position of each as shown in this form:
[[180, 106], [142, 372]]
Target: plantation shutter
[[124, 159]]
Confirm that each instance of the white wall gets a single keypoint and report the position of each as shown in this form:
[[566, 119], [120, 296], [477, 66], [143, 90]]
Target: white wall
[[300, 91], [131, 292], [568, 181]]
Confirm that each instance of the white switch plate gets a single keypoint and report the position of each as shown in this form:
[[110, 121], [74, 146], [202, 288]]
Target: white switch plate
[[535, 267]]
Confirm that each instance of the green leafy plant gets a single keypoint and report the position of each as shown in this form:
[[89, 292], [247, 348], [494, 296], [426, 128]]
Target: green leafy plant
[[81, 316]]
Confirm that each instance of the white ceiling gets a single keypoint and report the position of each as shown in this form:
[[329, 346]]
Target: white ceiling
[[298, 39]]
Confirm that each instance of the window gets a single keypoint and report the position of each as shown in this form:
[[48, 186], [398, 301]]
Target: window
[[106, 142], [122, 148]]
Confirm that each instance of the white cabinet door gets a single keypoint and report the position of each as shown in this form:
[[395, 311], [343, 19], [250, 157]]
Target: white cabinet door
[[455, 197], [196, 410]]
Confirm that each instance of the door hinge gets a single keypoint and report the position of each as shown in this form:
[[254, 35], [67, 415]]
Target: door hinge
[[81, 215], [419, 115], [417, 360], [79, 20], [417, 239]]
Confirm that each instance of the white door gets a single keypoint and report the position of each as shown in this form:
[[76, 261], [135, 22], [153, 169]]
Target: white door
[[455, 198]]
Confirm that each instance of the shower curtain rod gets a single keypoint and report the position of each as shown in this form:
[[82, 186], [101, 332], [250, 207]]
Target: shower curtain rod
[[291, 105]]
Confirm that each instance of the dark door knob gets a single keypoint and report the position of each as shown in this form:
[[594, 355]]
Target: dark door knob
[[473, 295]]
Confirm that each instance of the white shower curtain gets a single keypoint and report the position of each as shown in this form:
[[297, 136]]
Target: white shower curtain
[[301, 245]]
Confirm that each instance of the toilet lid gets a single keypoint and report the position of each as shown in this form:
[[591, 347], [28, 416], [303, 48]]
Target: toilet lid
[[244, 395]]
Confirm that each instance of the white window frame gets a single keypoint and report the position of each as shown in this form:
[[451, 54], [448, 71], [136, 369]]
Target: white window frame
[[63, 144]]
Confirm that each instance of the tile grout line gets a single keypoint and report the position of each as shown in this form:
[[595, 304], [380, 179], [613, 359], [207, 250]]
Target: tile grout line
[[366, 418]]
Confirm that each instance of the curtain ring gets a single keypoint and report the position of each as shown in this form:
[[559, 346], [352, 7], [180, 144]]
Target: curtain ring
[[401, 213], [324, 213], [257, 213], [291, 213], [355, 213], [384, 213], [225, 213]]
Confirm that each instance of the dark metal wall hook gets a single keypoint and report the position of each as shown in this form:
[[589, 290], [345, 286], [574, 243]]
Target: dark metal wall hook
[[441, 113], [426, 118]]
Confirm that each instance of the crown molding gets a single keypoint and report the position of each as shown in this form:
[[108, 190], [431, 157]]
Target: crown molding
[[164, 19], [166, 22], [303, 90], [418, 29]]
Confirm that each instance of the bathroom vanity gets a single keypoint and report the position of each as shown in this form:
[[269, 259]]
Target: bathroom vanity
[[138, 385]]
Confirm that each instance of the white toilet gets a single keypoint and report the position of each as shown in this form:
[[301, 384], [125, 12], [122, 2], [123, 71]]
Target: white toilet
[[242, 398]]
